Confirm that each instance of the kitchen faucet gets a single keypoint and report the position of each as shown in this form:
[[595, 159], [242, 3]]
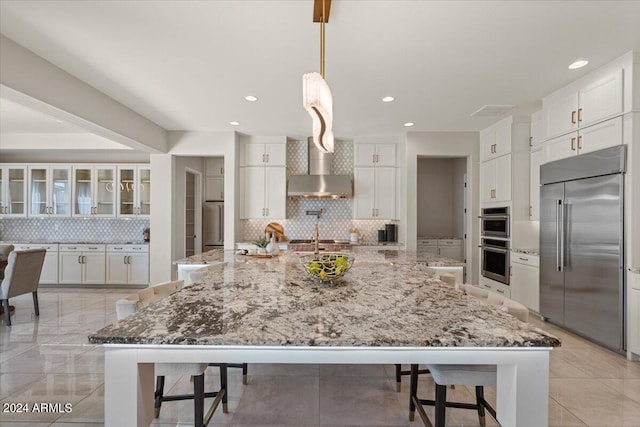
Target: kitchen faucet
[[317, 241]]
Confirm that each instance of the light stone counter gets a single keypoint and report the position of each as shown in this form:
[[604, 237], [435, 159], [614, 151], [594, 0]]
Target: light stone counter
[[386, 299], [387, 309]]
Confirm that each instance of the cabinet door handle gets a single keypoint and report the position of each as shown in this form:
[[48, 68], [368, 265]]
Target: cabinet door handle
[[573, 144], [267, 157], [487, 286], [267, 211], [523, 259], [580, 142], [573, 117], [500, 290], [530, 141], [221, 171], [530, 210], [579, 114], [79, 259]]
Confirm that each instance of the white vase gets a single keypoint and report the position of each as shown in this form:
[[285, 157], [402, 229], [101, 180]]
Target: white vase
[[273, 248]]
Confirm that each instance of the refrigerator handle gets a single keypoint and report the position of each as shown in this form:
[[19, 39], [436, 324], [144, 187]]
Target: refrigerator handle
[[559, 236]]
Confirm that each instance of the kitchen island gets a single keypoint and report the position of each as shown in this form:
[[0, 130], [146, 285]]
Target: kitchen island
[[388, 309]]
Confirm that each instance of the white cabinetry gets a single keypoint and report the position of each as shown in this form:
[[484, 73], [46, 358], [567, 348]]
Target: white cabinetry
[[81, 264], [49, 191], [537, 130], [592, 138], [375, 179], [572, 108], [49, 274], [94, 191], [633, 341], [134, 191], [264, 192], [538, 157], [264, 153], [127, 264], [495, 287], [495, 141], [495, 179], [375, 154], [525, 282], [374, 191], [447, 248], [214, 185], [13, 190]]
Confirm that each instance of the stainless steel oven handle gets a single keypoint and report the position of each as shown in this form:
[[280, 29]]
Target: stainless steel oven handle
[[494, 216], [495, 249]]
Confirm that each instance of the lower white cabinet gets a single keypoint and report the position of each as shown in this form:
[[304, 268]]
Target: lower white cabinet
[[633, 321], [447, 248], [495, 287], [49, 274], [525, 280], [127, 264], [82, 264]]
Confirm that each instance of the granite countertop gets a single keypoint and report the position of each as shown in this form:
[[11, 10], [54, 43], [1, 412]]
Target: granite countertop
[[272, 301]]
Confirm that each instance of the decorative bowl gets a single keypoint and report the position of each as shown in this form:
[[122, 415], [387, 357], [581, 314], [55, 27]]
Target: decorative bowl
[[326, 267]]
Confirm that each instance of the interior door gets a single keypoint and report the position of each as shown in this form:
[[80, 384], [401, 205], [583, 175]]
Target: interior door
[[593, 277], [551, 276]]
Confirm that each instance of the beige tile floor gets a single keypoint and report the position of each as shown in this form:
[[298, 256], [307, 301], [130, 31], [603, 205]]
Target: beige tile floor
[[49, 361]]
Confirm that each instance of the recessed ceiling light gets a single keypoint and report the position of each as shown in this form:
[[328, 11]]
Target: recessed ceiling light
[[578, 64], [388, 99], [234, 123], [251, 98], [409, 124]]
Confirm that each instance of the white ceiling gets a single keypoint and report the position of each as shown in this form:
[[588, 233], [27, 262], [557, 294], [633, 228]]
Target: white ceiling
[[187, 65], [17, 118]]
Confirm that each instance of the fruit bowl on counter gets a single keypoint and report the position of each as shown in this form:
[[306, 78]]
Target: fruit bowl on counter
[[326, 267]]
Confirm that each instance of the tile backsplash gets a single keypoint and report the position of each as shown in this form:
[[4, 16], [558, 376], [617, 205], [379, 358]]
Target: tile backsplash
[[94, 230], [337, 215]]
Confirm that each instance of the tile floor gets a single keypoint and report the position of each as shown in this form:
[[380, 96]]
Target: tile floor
[[49, 361]]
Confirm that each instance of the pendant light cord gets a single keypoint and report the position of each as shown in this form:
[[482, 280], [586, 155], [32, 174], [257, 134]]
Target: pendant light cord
[[322, 40]]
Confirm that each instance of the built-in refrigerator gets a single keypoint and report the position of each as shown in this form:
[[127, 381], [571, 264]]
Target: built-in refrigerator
[[582, 245], [213, 233]]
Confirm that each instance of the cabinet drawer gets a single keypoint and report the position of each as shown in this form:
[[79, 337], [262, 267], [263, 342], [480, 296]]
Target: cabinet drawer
[[127, 248], [25, 246], [81, 248], [428, 242], [450, 242], [520, 258]]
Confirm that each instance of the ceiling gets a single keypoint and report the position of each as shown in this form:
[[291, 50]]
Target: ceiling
[[17, 118], [187, 65]]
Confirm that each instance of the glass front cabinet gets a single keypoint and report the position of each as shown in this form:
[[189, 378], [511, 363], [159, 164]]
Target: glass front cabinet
[[49, 192], [13, 190], [134, 191], [94, 191]]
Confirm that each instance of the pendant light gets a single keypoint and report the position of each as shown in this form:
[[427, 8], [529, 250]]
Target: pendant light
[[316, 96]]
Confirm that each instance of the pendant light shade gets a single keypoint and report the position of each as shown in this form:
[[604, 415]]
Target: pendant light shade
[[318, 102]]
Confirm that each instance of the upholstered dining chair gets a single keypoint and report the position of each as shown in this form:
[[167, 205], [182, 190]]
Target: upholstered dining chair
[[138, 301], [21, 276], [5, 250], [473, 375]]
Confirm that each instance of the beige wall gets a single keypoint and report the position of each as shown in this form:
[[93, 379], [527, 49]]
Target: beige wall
[[435, 197], [442, 144]]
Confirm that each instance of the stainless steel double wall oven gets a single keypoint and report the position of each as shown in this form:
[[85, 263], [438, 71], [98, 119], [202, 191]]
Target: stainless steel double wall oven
[[495, 243]]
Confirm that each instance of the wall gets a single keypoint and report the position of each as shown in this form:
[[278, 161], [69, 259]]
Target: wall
[[442, 144], [165, 195], [72, 230], [337, 217], [435, 197], [459, 171]]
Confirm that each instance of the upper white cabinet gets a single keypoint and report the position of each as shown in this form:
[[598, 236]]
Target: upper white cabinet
[[13, 190], [264, 192], [134, 190], [375, 154], [374, 193], [49, 191], [538, 157], [375, 179], [495, 141], [94, 191], [264, 153], [573, 107], [602, 135], [495, 180], [537, 130], [214, 180]]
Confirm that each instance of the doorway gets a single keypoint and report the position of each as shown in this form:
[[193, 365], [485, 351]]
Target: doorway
[[442, 205], [192, 212]]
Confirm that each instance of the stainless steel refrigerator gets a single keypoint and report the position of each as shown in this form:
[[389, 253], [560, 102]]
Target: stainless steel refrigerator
[[582, 245], [213, 225]]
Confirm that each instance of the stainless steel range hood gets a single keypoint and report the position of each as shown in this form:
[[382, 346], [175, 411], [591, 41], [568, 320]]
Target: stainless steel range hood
[[320, 183]]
